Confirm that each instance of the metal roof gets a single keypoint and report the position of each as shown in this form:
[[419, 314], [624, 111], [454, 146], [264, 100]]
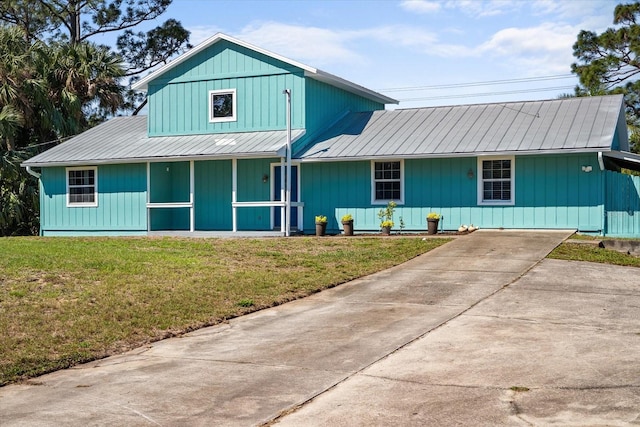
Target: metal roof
[[125, 140], [311, 72], [532, 127]]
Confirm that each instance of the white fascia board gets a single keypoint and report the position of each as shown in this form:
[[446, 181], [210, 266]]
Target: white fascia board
[[90, 162], [142, 84], [312, 72], [350, 86]]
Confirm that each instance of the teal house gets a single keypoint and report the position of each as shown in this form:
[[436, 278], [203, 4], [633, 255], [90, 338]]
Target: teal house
[[241, 139]]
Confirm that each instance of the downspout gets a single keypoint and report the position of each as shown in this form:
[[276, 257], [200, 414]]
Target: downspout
[[600, 160], [287, 92], [32, 172]]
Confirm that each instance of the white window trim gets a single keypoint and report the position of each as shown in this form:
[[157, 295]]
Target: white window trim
[[95, 187], [482, 202], [373, 182], [234, 117]]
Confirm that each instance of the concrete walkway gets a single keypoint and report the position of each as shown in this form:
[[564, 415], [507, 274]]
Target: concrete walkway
[[466, 334]]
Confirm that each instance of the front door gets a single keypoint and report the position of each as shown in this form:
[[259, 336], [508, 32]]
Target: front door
[[277, 220]]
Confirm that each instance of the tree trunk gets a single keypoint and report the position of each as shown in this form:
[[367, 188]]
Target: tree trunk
[[74, 18], [11, 146]]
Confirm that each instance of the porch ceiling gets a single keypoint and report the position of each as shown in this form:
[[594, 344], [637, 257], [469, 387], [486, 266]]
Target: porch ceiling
[[125, 140]]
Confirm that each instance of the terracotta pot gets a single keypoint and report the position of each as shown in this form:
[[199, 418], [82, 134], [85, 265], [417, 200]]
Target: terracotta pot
[[321, 228], [386, 231], [348, 228], [432, 226]]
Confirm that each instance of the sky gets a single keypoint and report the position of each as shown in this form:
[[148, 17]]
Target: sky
[[422, 53]]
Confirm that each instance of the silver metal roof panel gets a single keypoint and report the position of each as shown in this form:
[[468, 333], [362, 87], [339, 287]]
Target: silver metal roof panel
[[125, 140], [571, 124]]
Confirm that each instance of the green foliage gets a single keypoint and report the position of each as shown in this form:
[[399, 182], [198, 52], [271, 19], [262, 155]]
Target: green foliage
[[609, 63], [18, 196], [54, 82], [73, 22], [385, 215]]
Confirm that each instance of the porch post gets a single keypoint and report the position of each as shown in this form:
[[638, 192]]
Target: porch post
[[148, 196], [192, 180], [234, 189], [282, 194], [288, 190]]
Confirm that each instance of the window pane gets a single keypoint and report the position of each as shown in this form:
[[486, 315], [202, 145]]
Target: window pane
[[82, 186], [223, 105]]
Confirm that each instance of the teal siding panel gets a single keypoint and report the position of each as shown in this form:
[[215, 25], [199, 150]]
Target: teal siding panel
[[222, 59], [178, 102], [213, 195], [550, 191], [623, 205], [169, 219], [121, 202], [260, 105], [251, 188], [324, 104], [169, 182]]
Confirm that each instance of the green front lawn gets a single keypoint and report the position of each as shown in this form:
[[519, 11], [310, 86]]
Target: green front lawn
[[65, 301]]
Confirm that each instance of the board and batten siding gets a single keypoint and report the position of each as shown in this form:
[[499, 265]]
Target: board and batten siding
[[213, 195], [122, 193], [325, 104], [623, 205], [552, 191], [179, 101]]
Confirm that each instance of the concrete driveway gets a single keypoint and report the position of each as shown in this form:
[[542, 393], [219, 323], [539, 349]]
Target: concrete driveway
[[476, 332]]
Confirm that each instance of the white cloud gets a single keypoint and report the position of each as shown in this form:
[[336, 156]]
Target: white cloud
[[543, 49], [481, 9], [420, 6], [314, 45]]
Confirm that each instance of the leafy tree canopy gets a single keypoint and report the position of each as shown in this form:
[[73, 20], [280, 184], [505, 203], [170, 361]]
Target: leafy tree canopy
[[75, 21], [609, 63]]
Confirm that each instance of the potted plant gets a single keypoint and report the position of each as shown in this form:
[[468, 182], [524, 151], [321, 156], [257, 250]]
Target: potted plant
[[385, 227], [433, 219], [386, 218], [347, 224], [321, 225]]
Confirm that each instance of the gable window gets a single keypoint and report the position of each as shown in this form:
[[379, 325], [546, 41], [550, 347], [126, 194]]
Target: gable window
[[387, 181], [82, 186], [496, 181], [222, 105]]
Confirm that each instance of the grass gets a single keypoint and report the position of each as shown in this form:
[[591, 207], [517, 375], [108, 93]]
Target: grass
[[64, 301], [581, 252]]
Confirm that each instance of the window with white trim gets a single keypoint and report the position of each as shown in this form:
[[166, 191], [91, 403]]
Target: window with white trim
[[387, 181], [222, 105], [82, 186], [496, 181]]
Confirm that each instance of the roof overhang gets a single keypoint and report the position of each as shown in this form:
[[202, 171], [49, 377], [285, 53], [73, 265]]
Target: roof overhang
[[314, 73], [616, 160], [445, 155]]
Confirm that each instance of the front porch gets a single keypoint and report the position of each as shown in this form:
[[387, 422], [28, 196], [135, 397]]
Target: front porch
[[224, 196]]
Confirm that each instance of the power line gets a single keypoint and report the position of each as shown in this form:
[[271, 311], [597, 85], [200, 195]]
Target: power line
[[471, 95], [481, 83]]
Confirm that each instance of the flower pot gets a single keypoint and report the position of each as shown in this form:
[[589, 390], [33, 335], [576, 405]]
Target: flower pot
[[348, 228], [432, 226], [385, 230], [321, 228]]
